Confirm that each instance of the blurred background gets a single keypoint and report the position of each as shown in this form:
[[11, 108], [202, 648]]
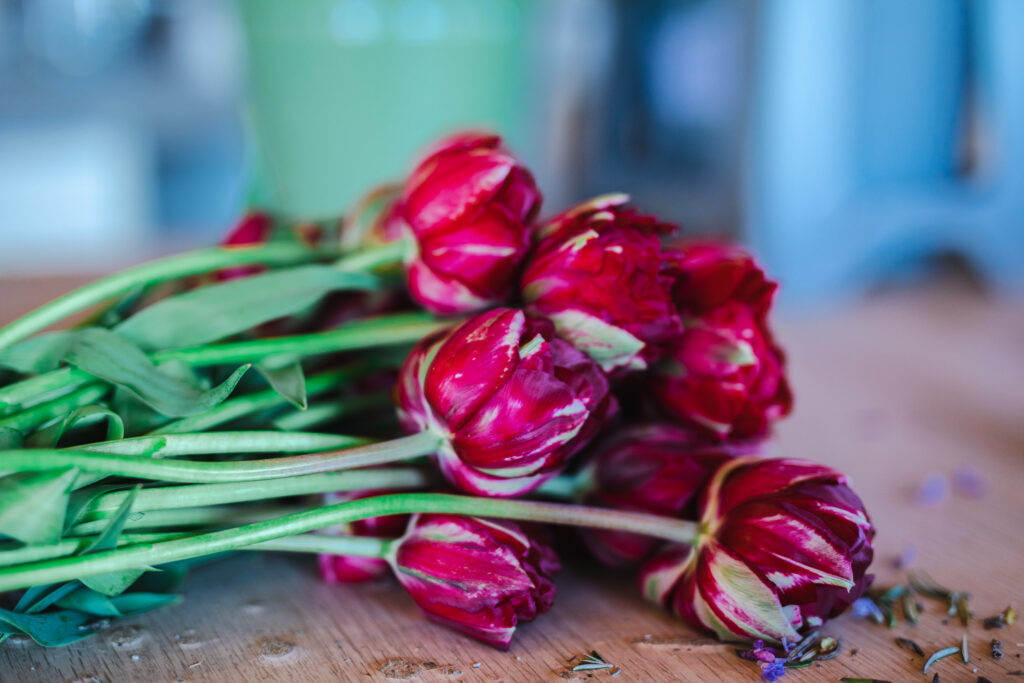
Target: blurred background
[[853, 144]]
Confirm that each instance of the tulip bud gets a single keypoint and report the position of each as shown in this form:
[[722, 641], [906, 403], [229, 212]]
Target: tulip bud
[[481, 577], [785, 544], [599, 275], [724, 372], [511, 401], [352, 568], [467, 207], [253, 228], [656, 468]]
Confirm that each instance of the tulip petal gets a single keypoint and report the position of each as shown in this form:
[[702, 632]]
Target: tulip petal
[[529, 418], [744, 479], [610, 346], [731, 597], [473, 364], [448, 188]]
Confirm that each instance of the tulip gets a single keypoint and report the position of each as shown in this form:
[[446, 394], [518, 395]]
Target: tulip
[[253, 228], [356, 568], [656, 468], [598, 273], [480, 577], [467, 208], [724, 372], [508, 400], [784, 544]]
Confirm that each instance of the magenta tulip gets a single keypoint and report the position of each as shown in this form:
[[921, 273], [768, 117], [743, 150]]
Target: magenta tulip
[[480, 577], [784, 545], [510, 401]]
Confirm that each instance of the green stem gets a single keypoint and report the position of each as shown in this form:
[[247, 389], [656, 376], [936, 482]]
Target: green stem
[[31, 418], [329, 544], [170, 268], [209, 516], [215, 443], [89, 460], [402, 328], [65, 569], [325, 412], [195, 495], [375, 257], [258, 401], [33, 390], [72, 546]]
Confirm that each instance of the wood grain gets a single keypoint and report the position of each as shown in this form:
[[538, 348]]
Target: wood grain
[[890, 391]]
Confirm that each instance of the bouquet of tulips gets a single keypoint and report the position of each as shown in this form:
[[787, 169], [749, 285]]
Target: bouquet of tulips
[[421, 388]]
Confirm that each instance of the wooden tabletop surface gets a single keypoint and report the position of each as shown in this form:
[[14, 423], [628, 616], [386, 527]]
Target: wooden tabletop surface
[[891, 391]]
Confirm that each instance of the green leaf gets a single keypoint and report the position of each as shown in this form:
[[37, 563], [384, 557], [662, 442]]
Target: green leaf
[[50, 630], [133, 603], [38, 598], [10, 439], [285, 376], [39, 354], [33, 504], [113, 583], [87, 600], [217, 311], [50, 436], [116, 360]]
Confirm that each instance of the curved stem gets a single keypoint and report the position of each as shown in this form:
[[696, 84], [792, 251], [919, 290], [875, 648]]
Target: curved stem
[[172, 267], [375, 257], [64, 569], [89, 460], [36, 415], [403, 328], [208, 517], [71, 546], [216, 443], [325, 412], [329, 544], [34, 390], [195, 495]]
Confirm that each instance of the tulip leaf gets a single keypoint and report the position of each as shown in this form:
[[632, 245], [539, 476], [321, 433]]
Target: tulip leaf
[[33, 504], [285, 376], [110, 357], [41, 353], [50, 630], [222, 310], [113, 583], [133, 603], [87, 600], [10, 438], [38, 598], [50, 436]]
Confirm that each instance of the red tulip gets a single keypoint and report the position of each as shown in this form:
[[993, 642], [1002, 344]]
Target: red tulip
[[511, 401], [467, 207], [480, 577], [785, 544], [598, 273], [725, 372], [658, 468], [253, 228], [352, 568]]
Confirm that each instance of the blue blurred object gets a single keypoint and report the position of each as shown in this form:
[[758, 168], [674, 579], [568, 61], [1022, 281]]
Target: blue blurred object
[[883, 134]]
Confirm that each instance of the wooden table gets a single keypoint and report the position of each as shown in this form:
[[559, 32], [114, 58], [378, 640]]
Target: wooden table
[[890, 391]]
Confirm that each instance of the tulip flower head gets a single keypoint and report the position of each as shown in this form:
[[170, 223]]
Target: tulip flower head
[[784, 545], [467, 208], [510, 401], [598, 274], [481, 577], [724, 372]]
